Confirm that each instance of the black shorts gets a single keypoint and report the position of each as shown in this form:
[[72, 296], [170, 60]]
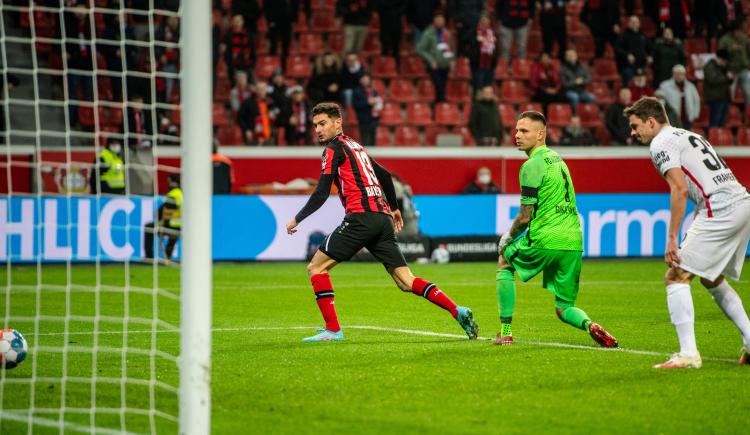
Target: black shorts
[[373, 231]]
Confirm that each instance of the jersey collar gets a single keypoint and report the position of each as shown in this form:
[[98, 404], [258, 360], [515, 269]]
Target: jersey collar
[[543, 147]]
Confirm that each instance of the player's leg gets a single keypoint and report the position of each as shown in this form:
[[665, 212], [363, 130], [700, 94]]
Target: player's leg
[[505, 286], [730, 303], [682, 314], [148, 241]]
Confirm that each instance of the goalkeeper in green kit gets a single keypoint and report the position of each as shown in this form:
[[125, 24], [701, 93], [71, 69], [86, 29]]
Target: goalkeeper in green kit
[[553, 244]]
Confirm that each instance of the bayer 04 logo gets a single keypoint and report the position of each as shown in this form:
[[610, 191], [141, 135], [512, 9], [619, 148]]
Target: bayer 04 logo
[[13, 348]]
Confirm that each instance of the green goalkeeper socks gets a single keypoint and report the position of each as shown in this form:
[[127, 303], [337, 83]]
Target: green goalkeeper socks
[[576, 317], [506, 296]]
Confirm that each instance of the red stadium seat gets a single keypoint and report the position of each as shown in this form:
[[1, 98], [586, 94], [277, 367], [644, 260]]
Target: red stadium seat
[[300, 26], [558, 114], [384, 67], [576, 29], [467, 139], [530, 107], [585, 49], [402, 91], [462, 70], [513, 91], [604, 136], [458, 91], [743, 136], [702, 121], [447, 114], [86, 116], [298, 67], [501, 70], [466, 114], [507, 115], [606, 69], [590, 116], [223, 91], [382, 137], [323, 21], [391, 114], [379, 86], [115, 117], [720, 136], [554, 134], [521, 69], [311, 44], [695, 45], [430, 134], [335, 42], [372, 45], [426, 90], [350, 119], [601, 91], [734, 118], [419, 114], [407, 135], [412, 67], [266, 65], [230, 135], [220, 115]]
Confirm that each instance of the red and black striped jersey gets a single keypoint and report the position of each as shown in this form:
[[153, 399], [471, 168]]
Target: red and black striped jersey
[[354, 175]]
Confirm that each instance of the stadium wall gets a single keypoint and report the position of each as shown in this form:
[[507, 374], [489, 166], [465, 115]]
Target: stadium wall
[[250, 227]]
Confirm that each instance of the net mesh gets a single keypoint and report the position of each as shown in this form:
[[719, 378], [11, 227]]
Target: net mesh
[[101, 323]]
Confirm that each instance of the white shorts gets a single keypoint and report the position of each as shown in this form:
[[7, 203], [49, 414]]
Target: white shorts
[[717, 245]]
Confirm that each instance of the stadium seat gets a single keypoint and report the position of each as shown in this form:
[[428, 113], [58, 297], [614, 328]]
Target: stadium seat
[[426, 90], [335, 42], [513, 92], [382, 137], [590, 116], [310, 44], [458, 91], [501, 70], [230, 135], [86, 116], [576, 29], [175, 117], [585, 48], [298, 67], [743, 136], [720, 136], [462, 69], [220, 115], [419, 114], [601, 91], [603, 135], [534, 45], [350, 119], [554, 134], [521, 69], [530, 107], [266, 65], [391, 114], [384, 67], [606, 69], [323, 21], [223, 91], [402, 91], [695, 46], [558, 114], [702, 121], [380, 86], [507, 114], [372, 45], [300, 26], [734, 118], [467, 139], [406, 135], [115, 117], [104, 87], [466, 114], [412, 67], [509, 139], [431, 132], [447, 114]]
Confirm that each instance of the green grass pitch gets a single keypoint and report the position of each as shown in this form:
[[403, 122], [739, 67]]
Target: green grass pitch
[[404, 366]]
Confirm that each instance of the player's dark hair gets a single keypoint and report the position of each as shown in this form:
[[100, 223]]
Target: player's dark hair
[[647, 107], [174, 178], [333, 110], [534, 116]]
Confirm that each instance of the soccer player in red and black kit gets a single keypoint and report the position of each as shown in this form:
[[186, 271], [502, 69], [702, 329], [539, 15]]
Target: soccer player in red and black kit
[[372, 220]]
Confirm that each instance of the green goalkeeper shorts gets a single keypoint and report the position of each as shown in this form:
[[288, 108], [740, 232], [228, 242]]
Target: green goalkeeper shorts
[[562, 269]]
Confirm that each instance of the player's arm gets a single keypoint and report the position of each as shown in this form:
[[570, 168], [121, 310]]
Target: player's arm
[[322, 191], [678, 193], [386, 182]]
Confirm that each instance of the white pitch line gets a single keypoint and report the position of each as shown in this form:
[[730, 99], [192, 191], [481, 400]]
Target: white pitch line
[[47, 422], [403, 331]]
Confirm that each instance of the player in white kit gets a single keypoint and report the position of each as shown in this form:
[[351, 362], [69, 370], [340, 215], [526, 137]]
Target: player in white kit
[[717, 240]]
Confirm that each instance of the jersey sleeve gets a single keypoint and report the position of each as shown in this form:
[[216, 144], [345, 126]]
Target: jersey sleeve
[[530, 177], [665, 155]]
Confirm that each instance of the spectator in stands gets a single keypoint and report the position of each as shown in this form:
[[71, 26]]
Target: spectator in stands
[[632, 49], [13, 83], [483, 54], [603, 19], [238, 54], [356, 15], [240, 92], [295, 118], [682, 95], [78, 51], [390, 13], [250, 14], [545, 82], [639, 86], [223, 173], [367, 103], [575, 77], [435, 48], [482, 183], [716, 83], [552, 22], [577, 135], [257, 117], [108, 174], [674, 14], [277, 90], [169, 132], [466, 14], [616, 122], [712, 18], [325, 83], [140, 124], [667, 53], [514, 17], [279, 16], [168, 57], [737, 45], [113, 53], [419, 14], [350, 75], [484, 120]]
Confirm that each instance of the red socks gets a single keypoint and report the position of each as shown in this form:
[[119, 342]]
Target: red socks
[[433, 294], [323, 289]]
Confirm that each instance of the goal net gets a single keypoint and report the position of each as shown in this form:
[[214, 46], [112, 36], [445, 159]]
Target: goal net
[[92, 232]]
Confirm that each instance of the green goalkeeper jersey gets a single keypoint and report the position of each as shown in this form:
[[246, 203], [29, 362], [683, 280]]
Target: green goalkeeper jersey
[[546, 184]]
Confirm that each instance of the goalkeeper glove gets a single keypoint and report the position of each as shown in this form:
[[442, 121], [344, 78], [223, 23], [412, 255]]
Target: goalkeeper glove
[[504, 241]]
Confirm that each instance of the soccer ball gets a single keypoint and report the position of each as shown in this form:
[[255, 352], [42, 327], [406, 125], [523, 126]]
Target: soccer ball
[[13, 348]]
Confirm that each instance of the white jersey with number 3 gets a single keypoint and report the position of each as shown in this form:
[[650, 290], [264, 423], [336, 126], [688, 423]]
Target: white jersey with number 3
[[711, 184]]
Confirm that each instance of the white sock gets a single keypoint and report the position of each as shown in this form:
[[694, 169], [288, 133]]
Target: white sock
[[680, 304], [730, 303]]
